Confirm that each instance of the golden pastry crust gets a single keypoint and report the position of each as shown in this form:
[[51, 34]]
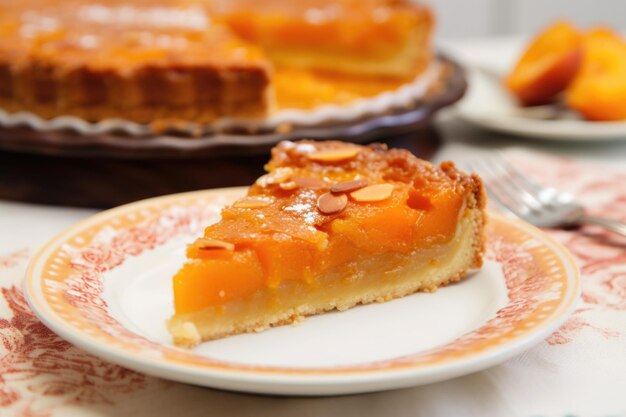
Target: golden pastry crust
[[186, 94]]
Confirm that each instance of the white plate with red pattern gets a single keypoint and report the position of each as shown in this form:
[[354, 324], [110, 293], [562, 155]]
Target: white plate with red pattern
[[105, 285], [489, 105]]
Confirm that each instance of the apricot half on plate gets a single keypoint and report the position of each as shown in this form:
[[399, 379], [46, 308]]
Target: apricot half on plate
[[547, 66], [599, 90]]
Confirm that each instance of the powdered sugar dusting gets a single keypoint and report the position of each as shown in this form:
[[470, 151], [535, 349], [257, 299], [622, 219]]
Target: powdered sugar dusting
[[161, 17]]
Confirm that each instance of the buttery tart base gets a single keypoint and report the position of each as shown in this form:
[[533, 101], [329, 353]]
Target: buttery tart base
[[199, 94]]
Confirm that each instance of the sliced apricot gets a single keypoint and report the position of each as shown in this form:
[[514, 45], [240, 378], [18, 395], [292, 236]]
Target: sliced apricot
[[284, 258], [207, 282], [548, 65], [599, 90], [380, 230]]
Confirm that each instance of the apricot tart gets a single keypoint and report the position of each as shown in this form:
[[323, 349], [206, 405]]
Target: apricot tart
[[330, 226], [198, 60]]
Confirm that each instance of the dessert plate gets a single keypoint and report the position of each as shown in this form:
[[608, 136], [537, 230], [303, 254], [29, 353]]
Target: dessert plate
[[489, 105], [105, 285]]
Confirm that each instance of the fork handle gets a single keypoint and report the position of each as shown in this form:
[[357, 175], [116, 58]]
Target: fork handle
[[609, 224]]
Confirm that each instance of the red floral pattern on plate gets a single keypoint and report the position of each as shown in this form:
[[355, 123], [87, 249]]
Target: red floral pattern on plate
[[110, 248], [527, 286]]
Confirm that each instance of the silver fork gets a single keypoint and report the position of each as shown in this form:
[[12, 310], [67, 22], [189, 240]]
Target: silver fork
[[532, 202]]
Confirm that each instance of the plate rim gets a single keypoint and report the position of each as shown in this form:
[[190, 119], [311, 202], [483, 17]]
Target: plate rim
[[290, 382]]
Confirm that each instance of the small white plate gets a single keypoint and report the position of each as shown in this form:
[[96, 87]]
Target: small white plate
[[489, 105], [105, 285]]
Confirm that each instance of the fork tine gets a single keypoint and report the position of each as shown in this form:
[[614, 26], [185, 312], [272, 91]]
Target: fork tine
[[499, 204], [541, 206], [521, 179], [504, 197], [535, 194], [498, 168]]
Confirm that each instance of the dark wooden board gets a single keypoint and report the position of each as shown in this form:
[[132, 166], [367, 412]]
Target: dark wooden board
[[104, 182]]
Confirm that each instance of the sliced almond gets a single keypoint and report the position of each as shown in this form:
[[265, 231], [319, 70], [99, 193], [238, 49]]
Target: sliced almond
[[335, 155], [279, 175], [288, 185], [263, 180], [206, 243], [310, 182], [330, 203], [377, 192], [348, 186], [252, 202]]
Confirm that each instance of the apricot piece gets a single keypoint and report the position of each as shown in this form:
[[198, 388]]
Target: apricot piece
[[207, 282], [284, 258], [548, 65], [379, 231], [599, 90]]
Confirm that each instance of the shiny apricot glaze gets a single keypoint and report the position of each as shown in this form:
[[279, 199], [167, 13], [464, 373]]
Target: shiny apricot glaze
[[548, 65], [356, 27], [323, 88], [599, 90], [145, 37], [290, 238]]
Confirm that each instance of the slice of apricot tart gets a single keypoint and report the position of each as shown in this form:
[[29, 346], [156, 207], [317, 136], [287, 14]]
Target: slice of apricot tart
[[331, 225]]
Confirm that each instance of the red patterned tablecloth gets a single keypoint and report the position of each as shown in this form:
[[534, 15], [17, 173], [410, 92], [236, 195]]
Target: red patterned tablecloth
[[579, 370]]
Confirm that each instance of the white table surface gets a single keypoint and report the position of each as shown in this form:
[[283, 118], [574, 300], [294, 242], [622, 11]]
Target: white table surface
[[504, 390]]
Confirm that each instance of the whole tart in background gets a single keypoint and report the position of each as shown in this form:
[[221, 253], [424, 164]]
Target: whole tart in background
[[200, 61]]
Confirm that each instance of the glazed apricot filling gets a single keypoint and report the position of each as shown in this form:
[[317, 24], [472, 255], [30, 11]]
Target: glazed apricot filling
[[330, 35], [322, 208]]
